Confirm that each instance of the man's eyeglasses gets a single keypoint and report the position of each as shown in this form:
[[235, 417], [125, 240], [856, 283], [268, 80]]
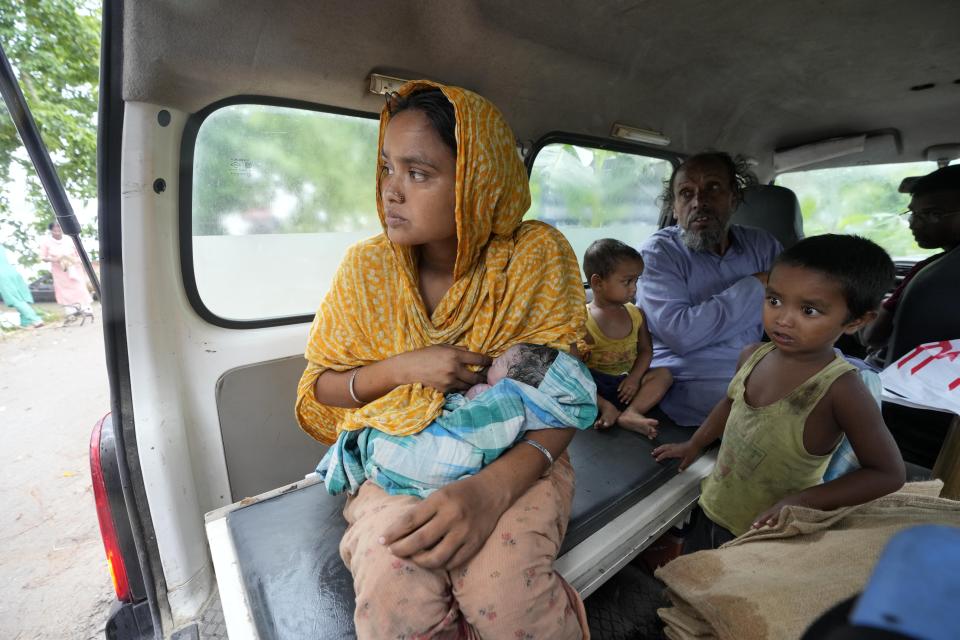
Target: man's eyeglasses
[[930, 215]]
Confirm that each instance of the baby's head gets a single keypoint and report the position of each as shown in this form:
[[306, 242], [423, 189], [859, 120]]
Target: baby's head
[[612, 268], [825, 286], [526, 363]]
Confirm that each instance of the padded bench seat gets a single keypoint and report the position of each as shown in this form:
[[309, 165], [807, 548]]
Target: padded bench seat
[[286, 544]]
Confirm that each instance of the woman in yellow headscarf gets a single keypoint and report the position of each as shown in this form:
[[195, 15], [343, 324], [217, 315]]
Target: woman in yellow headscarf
[[413, 313]]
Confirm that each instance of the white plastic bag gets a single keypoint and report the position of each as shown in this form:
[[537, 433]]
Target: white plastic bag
[[926, 377]]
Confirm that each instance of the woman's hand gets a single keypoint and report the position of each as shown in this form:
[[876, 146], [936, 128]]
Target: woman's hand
[[628, 388], [443, 367], [771, 516], [449, 527], [686, 451]]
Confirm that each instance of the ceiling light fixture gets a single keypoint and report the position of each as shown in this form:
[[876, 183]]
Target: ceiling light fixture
[[633, 134], [382, 85]]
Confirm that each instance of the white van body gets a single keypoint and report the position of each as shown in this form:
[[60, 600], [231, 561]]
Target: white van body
[[204, 364]]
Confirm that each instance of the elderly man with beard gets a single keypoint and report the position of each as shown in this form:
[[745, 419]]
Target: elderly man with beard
[[704, 284]]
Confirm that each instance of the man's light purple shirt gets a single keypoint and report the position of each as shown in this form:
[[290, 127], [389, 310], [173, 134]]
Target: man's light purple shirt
[[702, 309]]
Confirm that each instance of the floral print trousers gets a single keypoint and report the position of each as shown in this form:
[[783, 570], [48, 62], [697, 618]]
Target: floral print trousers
[[507, 590]]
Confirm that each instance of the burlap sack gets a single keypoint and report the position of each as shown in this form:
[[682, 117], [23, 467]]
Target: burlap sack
[[772, 583]]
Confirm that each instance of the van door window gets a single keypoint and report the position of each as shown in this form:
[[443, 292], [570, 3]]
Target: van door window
[[591, 193], [860, 200], [278, 194]]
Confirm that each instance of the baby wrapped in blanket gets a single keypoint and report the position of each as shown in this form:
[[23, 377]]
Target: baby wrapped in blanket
[[529, 387]]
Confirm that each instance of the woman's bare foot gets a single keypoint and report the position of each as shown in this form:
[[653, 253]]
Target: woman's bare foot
[[633, 420], [608, 414]]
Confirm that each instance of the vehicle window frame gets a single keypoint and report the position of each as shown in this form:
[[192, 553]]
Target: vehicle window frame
[[594, 142], [188, 146], [605, 144], [897, 258], [185, 214]]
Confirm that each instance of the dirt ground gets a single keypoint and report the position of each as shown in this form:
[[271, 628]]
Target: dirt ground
[[53, 573]]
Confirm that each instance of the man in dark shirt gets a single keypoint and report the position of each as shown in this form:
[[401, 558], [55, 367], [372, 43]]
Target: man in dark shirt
[[935, 223]]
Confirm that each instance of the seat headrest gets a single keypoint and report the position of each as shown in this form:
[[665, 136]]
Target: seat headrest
[[774, 209]]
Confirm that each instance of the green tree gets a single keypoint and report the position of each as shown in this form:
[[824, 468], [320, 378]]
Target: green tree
[[284, 170], [860, 199], [594, 187], [54, 48]]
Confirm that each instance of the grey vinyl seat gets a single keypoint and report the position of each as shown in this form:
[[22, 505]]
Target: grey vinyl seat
[[774, 209], [298, 587]]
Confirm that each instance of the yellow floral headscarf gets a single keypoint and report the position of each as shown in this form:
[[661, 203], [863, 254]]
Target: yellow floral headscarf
[[513, 282]]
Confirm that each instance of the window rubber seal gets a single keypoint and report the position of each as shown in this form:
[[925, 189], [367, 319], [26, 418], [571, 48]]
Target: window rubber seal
[[596, 142], [185, 203], [185, 213]]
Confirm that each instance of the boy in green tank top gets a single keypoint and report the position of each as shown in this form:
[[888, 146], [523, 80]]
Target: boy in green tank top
[[619, 345], [794, 398]]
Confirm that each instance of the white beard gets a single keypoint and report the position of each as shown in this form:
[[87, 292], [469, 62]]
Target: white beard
[[706, 240]]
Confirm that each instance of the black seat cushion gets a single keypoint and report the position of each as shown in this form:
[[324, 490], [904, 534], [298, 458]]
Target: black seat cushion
[[929, 309], [615, 470], [288, 545]]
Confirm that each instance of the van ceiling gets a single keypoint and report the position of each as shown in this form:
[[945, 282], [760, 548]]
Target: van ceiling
[[748, 76]]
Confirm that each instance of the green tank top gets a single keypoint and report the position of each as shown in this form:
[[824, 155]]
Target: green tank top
[[762, 458]]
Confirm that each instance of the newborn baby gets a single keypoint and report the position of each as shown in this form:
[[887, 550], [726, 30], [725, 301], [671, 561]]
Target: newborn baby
[[529, 387], [526, 363]]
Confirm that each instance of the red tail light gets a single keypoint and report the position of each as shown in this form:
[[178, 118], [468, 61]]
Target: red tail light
[[118, 572]]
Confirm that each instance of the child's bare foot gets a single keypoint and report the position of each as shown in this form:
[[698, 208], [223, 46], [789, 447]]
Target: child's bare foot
[[635, 421], [608, 415]]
